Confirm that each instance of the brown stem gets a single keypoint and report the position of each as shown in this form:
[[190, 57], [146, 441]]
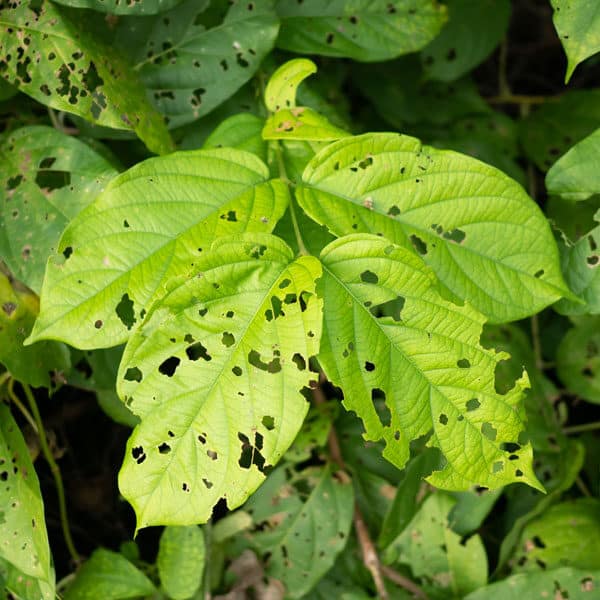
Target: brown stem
[[404, 582], [369, 552]]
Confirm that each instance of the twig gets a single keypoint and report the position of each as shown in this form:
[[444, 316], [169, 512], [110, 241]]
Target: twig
[[581, 428], [369, 552], [404, 582], [60, 490], [17, 402], [537, 347], [517, 99]]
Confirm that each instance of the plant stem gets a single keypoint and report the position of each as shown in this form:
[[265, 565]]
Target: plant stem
[[517, 99], [4, 378], [582, 487], [17, 402], [404, 582], [537, 347], [581, 428], [206, 579], [60, 490], [283, 175]]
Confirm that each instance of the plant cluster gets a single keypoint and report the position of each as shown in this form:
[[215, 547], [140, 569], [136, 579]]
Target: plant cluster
[[348, 324]]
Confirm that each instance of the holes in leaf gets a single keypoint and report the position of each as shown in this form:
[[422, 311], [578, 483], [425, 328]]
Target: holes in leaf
[[498, 466], [257, 251], [228, 339], [472, 404], [268, 422], [197, 351], [366, 163], [251, 455], [164, 448], [185, 487], [125, 311], [455, 235], [9, 308], [274, 366], [593, 260], [489, 431], [138, 454], [299, 361], [98, 324], [133, 374], [369, 366], [284, 283], [207, 483], [539, 273], [52, 180], [202, 311], [394, 211], [202, 438], [510, 447], [391, 308], [237, 371], [443, 419], [348, 349], [67, 252], [419, 245], [230, 216], [212, 454], [369, 277], [169, 366], [463, 363]]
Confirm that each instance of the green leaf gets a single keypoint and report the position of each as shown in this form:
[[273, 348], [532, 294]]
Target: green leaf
[[242, 131], [445, 206], [578, 360], [365, 30], [574, 175], [50, 58], [567, 534], [578, 27], [180, 561], [224, 399], [301, 123], [573, 584], [433, 550], [282, 86], [472, 32], [314, 433], [387, 331], [303, 521], [189, 69], [46, 178], [556, 125], [155, 221], [25, 562], [118, 7], [35, 365], [471, 509], [110, 576], [581, 267]]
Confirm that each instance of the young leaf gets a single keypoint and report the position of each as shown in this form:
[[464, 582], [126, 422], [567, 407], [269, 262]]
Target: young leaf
[[366, 30], [574, 175], [302, 521], [484, 237], [110, 576], [433, 550], [282, 87], [581, 267], [50, 58], [34, 365], [217, 373], [472, 32], [566, 535], [556, 125], [155, 221], [46, 178], [119, 7], [578, 359], [242, 131], [188, 69], [387, 331], [578, 27], [180, 561], [25, 562]]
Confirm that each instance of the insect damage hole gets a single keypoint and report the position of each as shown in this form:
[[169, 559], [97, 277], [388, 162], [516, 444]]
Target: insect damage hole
[[250, 454]]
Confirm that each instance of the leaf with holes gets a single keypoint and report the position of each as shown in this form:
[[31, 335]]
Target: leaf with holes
[[152, 223], [365, 30], [574, 176], [121, 7], [581, 267], [387, 332], [242, 131], [435, 552], [578, 359], [109, 576], [484, 237], [302, 520], [188, 69], [46, 178], [578, 27], [566, 535], [180, 561], [472, 32], [47, 56], [217, 373], [25, 562], [40, 365]]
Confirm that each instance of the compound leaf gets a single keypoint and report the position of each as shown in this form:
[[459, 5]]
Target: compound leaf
[[119, 7], [216, 373], [365, 30], [111, 576], [484, 237], [151, 223], [302, 520], [188, 69], [46, 178], [51, 59], [574, 175], [25, 562], [387, 332], [578, 27], [180, 561]]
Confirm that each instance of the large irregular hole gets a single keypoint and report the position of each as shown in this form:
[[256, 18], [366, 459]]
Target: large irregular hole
[[169, 366], [250, 454], [125, 311], [133, 374], [197, 351], [391, 308], [274, 366]]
